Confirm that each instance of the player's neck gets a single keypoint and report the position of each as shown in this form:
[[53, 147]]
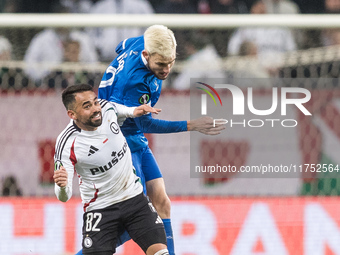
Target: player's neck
[[84, 127]]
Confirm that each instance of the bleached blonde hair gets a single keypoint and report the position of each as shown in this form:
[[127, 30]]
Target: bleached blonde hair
[[161, 40]]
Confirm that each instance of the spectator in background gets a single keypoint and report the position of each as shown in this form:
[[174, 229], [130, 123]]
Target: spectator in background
[[7, 6], [6, 77], [71, 51], [270, 42], [205, 63], [5, 55], [106, 39], [313, 38], [228, 7], [10, 187], [42, 6], [332, 6], [5, 49], [71, 54], [248, 48], [155, 3], [9, 76], [308, 6], [286, 7], [184, 37], [78, 6], [221, 37], [158, 5], [48, 47], [281, 7], [247, 66], [31, 6], [331, 37], [177, 6]]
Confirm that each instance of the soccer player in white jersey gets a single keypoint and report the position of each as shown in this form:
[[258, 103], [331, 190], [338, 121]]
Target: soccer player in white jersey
[[93, 145]]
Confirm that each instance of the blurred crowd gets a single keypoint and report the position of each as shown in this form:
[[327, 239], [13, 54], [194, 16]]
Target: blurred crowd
[[177, 6], [93, 45]]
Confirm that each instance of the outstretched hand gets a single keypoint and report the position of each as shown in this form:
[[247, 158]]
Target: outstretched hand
[[205, 125], [144, 109]]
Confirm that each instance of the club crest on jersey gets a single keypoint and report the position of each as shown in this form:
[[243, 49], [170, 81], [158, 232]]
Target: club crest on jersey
[[114, 127], [144, 99], [88, 242]]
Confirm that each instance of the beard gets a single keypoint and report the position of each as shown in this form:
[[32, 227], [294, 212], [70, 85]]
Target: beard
[[94, 123]]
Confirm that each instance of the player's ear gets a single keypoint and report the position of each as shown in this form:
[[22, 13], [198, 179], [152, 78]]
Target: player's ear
[[72, 114], [145, 54]]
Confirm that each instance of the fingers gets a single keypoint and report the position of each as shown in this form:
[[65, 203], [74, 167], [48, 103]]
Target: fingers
[[60, 177], [144, 109], [218, 128], [211, 128], [212, 131], [155, 110], [218, 122]]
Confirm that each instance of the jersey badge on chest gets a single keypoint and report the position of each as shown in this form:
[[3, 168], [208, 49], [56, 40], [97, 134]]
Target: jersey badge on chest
[[144, 99], [114, 127]]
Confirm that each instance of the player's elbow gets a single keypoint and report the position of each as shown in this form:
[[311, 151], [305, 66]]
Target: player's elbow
[[145, 124]]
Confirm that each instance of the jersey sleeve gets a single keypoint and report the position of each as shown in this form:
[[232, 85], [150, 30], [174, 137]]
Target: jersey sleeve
[[147, 124], [62, 158], [121, 111], [105, 89], [126, 43], [124, 111]]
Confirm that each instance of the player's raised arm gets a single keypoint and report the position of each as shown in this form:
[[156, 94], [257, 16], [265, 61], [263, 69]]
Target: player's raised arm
[[132, 112]]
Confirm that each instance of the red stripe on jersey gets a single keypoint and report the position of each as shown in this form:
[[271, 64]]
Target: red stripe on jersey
[[81, 180], [92, 200], [106, 140], [73, 155]]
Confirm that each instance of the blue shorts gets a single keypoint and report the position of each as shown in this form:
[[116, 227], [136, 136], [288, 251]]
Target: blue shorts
[[146, 166]]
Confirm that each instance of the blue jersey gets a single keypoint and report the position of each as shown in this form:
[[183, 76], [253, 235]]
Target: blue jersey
[[128, 81]]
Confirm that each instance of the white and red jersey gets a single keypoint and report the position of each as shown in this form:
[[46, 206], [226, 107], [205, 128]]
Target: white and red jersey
[[101, 158]]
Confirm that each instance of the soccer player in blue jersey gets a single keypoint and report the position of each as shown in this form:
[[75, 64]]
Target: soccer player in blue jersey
[[134, 78]]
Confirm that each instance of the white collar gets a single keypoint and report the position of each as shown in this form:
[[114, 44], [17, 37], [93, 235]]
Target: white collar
[[144, 61]]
